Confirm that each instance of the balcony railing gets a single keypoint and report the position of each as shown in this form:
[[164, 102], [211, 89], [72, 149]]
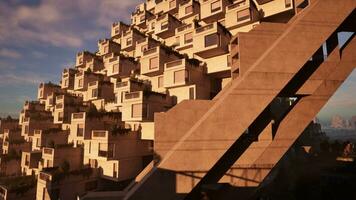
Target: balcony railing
[[141, 41], [107, 154], [47, 151], [121, 84], [237, 4], [78, 115], [204, 28], [150, 51], [60, 97], [99, 133], [185, 27], [59, 106], [92, 83], [132, 95], [113, 59], [44, 176], [174, 63]]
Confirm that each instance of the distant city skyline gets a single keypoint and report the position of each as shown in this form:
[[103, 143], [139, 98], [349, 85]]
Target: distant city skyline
[[36, 49]]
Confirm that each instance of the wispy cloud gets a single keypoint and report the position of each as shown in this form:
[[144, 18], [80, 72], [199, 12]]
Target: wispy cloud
[[23, 78], [8, 53], [64, 23]]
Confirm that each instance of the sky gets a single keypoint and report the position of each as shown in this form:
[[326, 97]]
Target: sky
[[38, 39]]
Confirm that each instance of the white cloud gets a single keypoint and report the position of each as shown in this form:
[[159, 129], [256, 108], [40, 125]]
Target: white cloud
[[8, 53]]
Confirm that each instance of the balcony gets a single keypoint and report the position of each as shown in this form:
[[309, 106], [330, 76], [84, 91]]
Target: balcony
[[166, 25], [188, 8], [99, 134], [213, 10], [107, 46], [48, 151], [129, 38], [185, 36], [152, 61], [211, 40], [78, 116], [82, 58], [117, 29], [120, 66], [94, 64], [238, 14], [122, 84], [144, 44], [177, 73], [45, 177], [133, 96]]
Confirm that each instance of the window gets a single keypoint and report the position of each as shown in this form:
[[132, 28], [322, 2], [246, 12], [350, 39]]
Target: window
[[142, 18], [122, 96], [26, 129], [60, 116], [114, 170], [178, 40], [179, 76], [136, 110], [212, 39], [215, 6], [188, 9], [106, 49], [80, 83], [38, 143], [94, 93], [115, 68], [80, 130], [128, 41], [243, 15], [172, 4], [164, 25], [191, 93], [160, 81], [153, 63], [188, 38], [66, 83], [288, 3]]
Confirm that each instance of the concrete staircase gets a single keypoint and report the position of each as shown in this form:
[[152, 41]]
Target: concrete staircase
[[236, 138]]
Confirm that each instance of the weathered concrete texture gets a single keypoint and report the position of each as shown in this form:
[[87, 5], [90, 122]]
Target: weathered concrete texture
[[276, 65]]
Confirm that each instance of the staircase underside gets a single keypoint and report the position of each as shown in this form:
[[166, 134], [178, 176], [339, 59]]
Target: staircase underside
[[234, 139]]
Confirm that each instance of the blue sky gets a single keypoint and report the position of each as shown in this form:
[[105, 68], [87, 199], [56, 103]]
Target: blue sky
[[40, 38]]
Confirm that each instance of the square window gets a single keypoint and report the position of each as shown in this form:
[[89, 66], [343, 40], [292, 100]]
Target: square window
[[191, 93], [153, 63], [188, 9], [212, 39], [128, 41], [115, 68], [243, 15], [80, 83], [80, 130], [215, 6], [172, 4], [94, 93], [160, 81], [188, 37], [136, 110], [179, 76], [164, 25]]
